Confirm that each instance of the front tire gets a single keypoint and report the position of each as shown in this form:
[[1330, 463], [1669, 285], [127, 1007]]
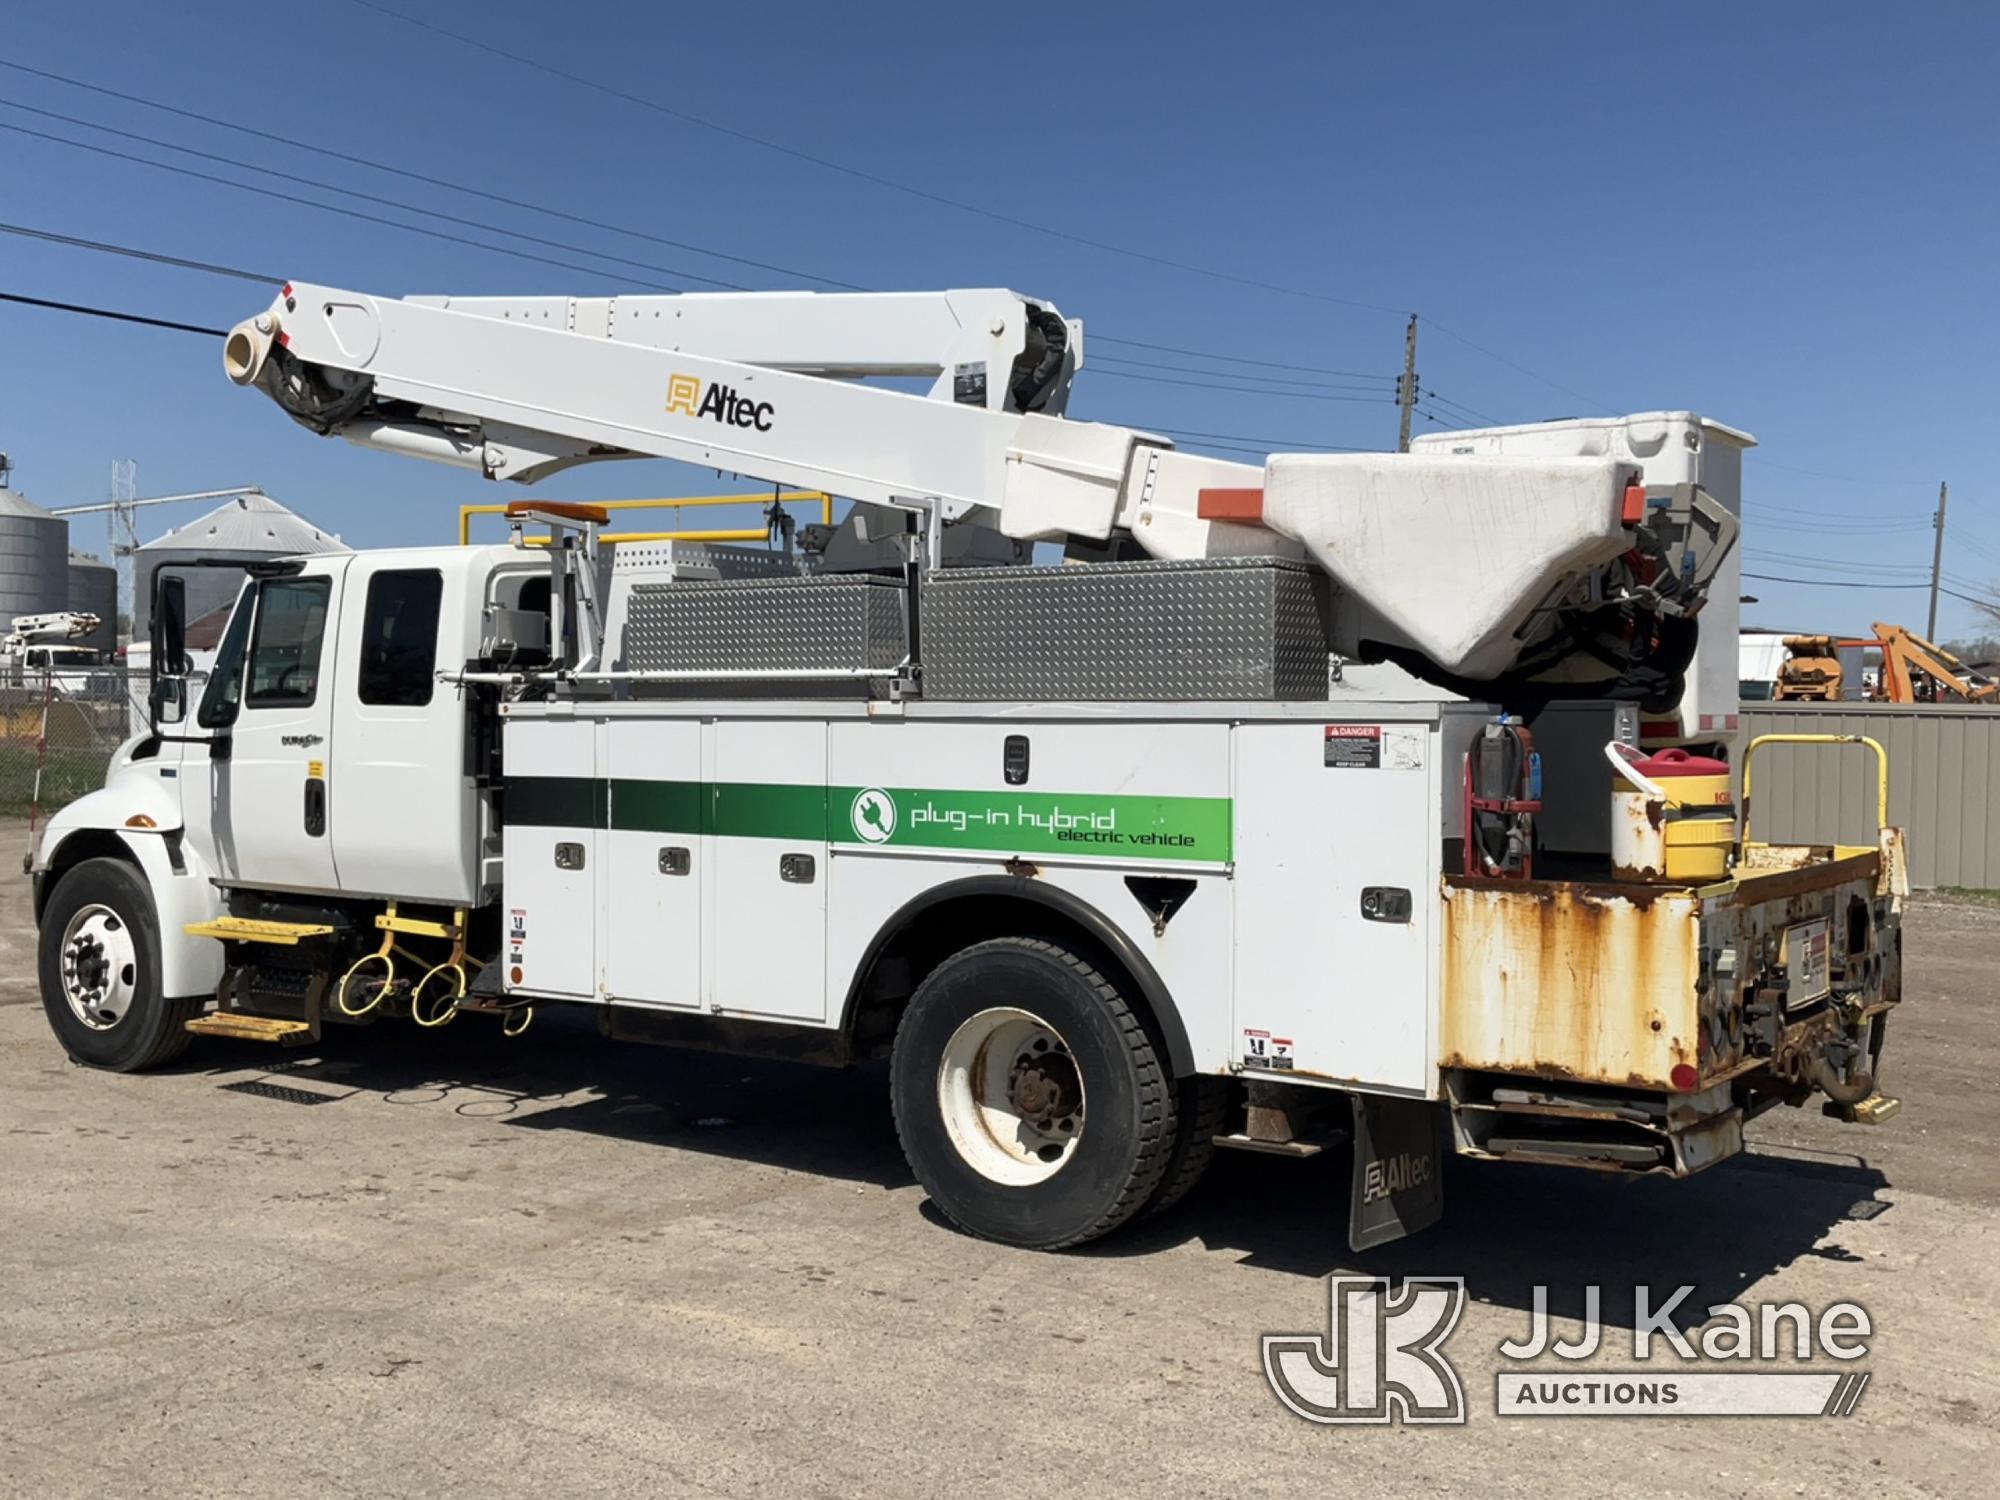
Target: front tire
[[99, 956], [1031, 1100]]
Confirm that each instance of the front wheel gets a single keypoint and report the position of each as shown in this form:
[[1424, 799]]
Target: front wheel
[[100, 971], [1031, 1101]]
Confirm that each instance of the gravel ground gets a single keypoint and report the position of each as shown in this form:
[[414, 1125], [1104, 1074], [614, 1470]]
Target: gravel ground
[[554, 1266]]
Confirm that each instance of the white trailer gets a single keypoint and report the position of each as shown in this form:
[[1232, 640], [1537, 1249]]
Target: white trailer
[[1226, 832]]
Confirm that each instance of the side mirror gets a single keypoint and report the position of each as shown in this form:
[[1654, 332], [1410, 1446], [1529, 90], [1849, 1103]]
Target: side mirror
[[169, 632], [169, 700]]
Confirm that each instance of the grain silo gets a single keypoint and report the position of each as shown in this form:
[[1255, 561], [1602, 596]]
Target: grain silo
[[34, 559], [248, 529], [93, 590]]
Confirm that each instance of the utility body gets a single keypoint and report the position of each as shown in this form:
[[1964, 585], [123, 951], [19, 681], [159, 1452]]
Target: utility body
[[1277, 814]]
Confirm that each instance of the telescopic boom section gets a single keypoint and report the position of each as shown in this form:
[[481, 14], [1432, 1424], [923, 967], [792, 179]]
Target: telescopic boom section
[[765, 385], [1468, 569]]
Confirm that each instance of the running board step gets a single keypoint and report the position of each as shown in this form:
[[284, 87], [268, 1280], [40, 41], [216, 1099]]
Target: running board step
[[246, 1028], [257, 930]]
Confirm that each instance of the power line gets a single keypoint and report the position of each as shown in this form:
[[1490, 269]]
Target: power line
[[485, 194], [1238, 359], [1772, 463], [350, 213], [1269, 445], [1239, 390], [1836, 562], [105, 312], [377, 199], [1518, 368], [494, 196], [1843, 583], [154, 256], [879, 180], [859, 173], [1471, 414], [1318, 385]]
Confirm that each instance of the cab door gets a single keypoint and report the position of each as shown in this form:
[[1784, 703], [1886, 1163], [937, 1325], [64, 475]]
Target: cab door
[[272, 705]]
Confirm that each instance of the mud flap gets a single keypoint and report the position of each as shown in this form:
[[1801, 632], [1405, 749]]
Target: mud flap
[[1398, 1170]]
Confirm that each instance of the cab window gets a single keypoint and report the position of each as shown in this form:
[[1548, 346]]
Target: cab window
[[399, 634], [285, 642]]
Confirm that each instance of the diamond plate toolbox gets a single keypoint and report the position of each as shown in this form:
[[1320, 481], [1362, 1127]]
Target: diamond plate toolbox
[[832, 623], [1222, 628]]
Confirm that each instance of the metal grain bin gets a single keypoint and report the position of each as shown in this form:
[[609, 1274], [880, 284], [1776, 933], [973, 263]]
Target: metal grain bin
[[93, 590], [34, 559]]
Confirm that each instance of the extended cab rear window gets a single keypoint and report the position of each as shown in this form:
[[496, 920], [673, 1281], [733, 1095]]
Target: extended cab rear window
[[399, 635]]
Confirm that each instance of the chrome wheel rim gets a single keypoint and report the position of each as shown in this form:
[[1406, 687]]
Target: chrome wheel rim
[[100, 967], [1011, 1096]]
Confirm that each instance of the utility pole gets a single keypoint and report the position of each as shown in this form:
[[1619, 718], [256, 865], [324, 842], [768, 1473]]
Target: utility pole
[[1406, 385], [1937, 564]]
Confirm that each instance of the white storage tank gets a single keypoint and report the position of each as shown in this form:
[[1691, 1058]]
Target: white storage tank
[[93, 590], [34, 559]]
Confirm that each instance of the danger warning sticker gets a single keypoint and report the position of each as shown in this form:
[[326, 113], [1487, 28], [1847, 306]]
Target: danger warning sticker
[[1354, 746], [1262, 1050]]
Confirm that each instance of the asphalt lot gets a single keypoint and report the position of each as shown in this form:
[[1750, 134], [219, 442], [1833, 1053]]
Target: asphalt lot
[[553, 1266]]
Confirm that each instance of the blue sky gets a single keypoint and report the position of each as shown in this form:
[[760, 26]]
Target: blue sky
[[1782, 215]]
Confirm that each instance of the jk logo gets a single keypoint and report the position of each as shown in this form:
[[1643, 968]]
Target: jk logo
[[1381, 1357]]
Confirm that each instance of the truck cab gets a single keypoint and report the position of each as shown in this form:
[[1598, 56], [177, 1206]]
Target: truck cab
[[319, 757]]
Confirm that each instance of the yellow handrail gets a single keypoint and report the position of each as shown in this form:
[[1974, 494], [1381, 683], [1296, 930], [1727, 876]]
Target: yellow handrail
[[1881, 768], [741, 534]]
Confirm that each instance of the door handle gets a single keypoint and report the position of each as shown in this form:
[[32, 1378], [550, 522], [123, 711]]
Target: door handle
[[315, 807]]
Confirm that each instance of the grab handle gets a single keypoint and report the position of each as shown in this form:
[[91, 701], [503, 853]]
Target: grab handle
[[1624, 758], [1881, 768]]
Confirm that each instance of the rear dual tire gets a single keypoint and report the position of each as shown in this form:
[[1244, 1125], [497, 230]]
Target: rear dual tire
[[1032, 1100]]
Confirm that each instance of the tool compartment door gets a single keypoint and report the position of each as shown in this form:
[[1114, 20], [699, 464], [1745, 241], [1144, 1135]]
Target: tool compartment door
[[554, 809], [765, 850], [653, 863], [1325, 812]]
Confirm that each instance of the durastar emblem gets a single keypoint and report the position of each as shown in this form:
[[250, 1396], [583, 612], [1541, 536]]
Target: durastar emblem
[[687, 395], [873, 815]]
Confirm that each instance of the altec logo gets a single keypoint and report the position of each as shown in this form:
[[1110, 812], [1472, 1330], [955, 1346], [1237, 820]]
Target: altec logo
[[686, 394]]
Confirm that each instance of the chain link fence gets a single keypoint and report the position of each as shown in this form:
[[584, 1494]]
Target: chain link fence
[[58, 731]]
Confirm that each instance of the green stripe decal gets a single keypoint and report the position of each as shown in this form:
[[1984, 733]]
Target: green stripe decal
[[555, 801], [1080, 823], [656, 806], [1193, 829]]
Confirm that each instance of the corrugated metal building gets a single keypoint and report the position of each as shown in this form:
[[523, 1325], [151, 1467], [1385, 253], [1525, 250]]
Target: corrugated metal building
[[1944, 782]]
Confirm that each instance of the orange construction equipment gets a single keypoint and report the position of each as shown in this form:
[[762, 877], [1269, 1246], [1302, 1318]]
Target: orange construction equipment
[[1915, 671], [1810, 672]]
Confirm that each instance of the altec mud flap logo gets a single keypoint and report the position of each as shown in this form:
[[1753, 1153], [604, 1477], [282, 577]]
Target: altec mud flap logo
[[687, 395], [1382, 1359]]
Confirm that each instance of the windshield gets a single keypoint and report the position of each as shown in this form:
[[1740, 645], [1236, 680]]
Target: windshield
[[225, 684]]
